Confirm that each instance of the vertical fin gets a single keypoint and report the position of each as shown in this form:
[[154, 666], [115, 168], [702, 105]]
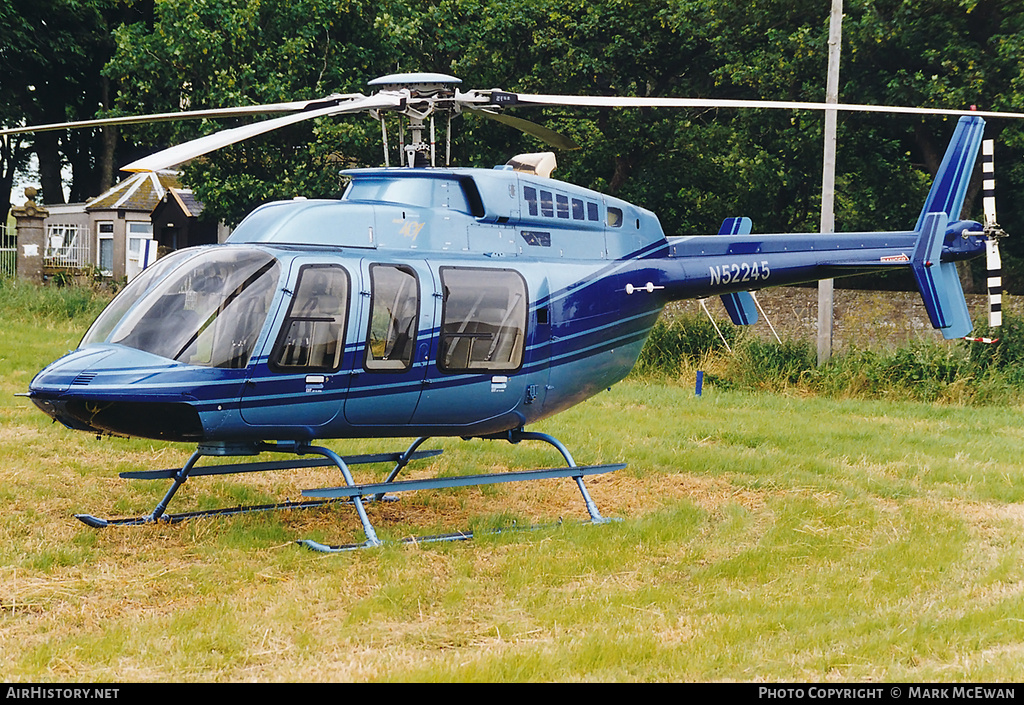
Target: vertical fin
[[938, 281], [736, 226], [741, 308], [950, 185]]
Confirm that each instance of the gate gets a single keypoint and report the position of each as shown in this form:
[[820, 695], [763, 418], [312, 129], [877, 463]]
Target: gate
[[67, 246], [8, 252]]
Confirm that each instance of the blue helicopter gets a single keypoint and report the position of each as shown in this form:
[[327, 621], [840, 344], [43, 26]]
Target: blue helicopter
[[432, 301]]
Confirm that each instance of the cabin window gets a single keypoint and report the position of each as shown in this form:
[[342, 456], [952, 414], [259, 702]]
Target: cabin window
[[137, 288], [208, 309], [530, 194], [614, 217], [547, 204], [562, 203], [592, 212], [313, 335], [394, 311], [577, 209], [536, 238], [483, 320]]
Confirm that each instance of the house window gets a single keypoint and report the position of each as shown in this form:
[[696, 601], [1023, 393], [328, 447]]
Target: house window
[[138, 251], [105, 248]]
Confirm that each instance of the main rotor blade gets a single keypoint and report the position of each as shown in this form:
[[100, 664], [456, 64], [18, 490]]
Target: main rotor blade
[[190, 150], [506, 99], [212, 113], [555, 139]]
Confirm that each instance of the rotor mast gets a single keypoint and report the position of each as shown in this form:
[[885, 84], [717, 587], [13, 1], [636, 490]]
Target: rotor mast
[[424, 95]]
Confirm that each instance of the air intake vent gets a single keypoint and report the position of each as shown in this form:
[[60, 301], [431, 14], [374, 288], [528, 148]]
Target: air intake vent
[[84, 379]]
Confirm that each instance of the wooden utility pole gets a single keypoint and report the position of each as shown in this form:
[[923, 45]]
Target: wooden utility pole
[[828, 177]]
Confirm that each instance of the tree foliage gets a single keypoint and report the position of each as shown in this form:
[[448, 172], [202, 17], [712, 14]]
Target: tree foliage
[[211, 53], [52, 54]]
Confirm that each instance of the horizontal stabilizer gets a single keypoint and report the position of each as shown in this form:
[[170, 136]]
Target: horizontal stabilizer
[[736, 226], [741, 307], [938, 281]]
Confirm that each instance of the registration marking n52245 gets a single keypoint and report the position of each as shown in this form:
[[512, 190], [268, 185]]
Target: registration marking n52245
[[739, 272]]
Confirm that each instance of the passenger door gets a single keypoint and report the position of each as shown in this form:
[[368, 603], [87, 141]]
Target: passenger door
[[395, 318], [480, 347], [300, 383]]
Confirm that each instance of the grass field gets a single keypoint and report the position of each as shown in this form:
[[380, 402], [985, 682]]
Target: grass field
[[763, 537]]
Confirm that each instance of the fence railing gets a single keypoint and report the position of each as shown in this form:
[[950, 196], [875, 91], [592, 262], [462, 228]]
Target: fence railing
[[67, 245], [8, 252]]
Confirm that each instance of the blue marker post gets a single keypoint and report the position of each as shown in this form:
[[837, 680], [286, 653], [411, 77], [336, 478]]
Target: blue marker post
[[700, 382]]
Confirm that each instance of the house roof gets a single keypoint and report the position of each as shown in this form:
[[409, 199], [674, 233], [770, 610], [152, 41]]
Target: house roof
[[180, 200], [139, 192], [187, 200]]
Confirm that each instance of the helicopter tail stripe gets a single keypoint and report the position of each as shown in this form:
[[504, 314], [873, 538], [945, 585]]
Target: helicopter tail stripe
[[938, 281], [950, 185]]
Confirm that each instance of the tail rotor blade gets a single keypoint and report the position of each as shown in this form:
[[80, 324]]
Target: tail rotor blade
[[988, 182], [995, 284], [993, 261]]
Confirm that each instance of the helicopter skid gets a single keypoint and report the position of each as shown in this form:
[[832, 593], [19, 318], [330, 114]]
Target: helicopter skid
[[179, 476], [170, 473], [459, 481], [440, 538], [373, 490], [99, 523], [351, 493]]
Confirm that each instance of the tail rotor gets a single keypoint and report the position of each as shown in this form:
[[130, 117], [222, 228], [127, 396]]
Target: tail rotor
[[994, 233]]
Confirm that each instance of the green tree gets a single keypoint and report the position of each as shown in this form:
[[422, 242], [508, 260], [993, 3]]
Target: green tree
[[216, 53], [52, 53]]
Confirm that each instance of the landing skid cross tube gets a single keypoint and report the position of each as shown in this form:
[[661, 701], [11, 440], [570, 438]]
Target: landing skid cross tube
[[378, 490]]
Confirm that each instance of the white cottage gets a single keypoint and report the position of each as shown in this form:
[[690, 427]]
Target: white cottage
[[114, 231]]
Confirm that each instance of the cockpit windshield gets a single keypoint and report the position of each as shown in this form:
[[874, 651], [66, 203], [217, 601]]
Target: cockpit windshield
[[208, 310]]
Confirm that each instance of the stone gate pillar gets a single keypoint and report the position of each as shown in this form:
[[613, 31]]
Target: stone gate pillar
[[31, 237]]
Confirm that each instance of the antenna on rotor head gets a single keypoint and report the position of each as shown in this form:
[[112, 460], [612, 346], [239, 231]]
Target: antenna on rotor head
[[425, 95]]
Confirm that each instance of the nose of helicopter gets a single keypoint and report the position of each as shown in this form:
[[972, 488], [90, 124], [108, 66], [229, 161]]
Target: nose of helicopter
[[117, 390]]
